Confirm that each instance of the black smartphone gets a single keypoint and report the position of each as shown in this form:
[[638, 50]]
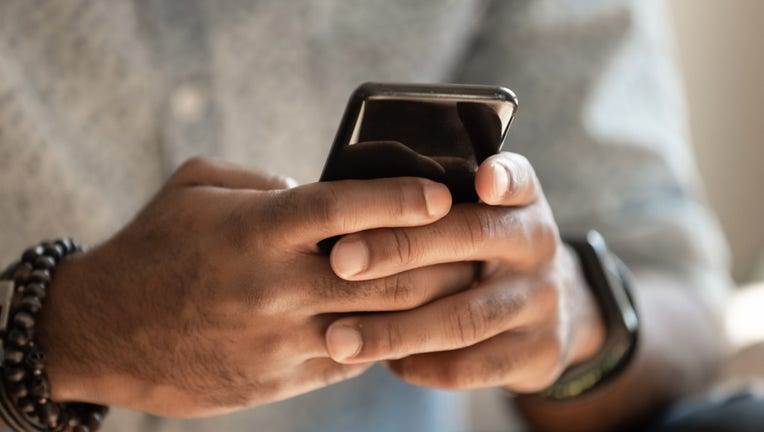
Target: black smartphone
[[438, 131]]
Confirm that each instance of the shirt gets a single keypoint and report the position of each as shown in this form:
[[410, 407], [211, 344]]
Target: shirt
[[101, 100]]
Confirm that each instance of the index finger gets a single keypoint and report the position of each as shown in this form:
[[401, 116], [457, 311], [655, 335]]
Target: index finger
[[318, 211]]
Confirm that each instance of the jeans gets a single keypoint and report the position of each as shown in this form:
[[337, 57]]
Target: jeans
[[742, 412]]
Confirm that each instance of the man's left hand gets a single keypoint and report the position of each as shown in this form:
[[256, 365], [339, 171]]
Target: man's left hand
[[527, 317]]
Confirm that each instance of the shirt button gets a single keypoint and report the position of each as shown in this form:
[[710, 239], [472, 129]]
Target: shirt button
[[188, 103]]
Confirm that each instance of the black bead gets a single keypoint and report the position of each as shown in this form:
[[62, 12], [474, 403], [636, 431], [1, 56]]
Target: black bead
[[31, 254], [49, 414], [94, 420], [35, 359], [14, 356], [19, 337], [21, 275], [65, 245], [76, 246], [45, 262], [53, 250], [26, 405], [81, 428], [35, 290], [39, 388], [40, 276], [31, 304], [32, 415], [14, 374], [18, 390], [23, 320], [73, 421]]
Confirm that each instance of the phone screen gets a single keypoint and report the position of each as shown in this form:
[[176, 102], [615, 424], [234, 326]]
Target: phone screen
[[440, 132], [440, 138]]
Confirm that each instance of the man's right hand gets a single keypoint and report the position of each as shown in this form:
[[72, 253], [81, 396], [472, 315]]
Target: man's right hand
[[215, 298]]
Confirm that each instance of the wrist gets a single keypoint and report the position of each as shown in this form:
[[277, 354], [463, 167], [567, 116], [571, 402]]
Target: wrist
[[609, 281], [58, 331], [75, 341], [26, 400], [588, 328]]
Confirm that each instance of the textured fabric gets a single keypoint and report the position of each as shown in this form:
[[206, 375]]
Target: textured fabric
[[101, 100]]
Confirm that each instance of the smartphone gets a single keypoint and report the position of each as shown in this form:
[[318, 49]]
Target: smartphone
[[438, 131]]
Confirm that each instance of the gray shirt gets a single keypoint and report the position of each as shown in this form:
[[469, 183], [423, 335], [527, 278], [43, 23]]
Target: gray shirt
[[101, 100]]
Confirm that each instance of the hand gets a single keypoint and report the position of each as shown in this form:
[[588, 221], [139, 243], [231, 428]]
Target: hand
[[214, 297], [528, 317]]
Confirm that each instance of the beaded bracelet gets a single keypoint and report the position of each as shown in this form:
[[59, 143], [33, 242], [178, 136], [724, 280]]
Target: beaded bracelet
[[25, 404]]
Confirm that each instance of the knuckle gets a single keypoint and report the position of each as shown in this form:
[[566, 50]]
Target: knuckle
[[326, 206], [392, 340], [451, 378], [409, 198], [281, 208], [480, 226], [490, 224], [400, 289], [399, 202], [194, 163], [468, 323], [496, 368], [464, 374], [189, 172], [266, 302], [239, 224], [404, 246], [403, 369], [484, 317], [275, 299], [414, 371]]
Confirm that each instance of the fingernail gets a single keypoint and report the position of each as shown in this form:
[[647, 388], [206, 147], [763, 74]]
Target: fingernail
[[343, 342], [437, 198], [350, 256], [500, 180]]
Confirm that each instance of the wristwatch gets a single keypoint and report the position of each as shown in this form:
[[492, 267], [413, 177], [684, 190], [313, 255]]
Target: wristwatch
[[610, 282]]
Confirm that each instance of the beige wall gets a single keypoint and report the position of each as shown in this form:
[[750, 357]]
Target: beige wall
[[721, 47]]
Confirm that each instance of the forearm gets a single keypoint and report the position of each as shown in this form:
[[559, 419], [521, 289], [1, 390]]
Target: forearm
[[680, 348]]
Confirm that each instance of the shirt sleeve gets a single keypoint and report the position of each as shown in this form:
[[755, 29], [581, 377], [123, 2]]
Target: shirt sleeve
[[602, 119]]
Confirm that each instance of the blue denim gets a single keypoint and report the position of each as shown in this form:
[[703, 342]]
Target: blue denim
[[742, 412]]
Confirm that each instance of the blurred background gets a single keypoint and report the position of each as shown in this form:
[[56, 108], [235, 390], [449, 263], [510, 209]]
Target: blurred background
[[721, 49]]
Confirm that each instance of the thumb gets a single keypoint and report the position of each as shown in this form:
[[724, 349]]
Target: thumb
[[507, 179]]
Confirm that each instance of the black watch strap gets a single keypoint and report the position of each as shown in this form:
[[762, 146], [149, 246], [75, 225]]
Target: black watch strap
[[610, 282]]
